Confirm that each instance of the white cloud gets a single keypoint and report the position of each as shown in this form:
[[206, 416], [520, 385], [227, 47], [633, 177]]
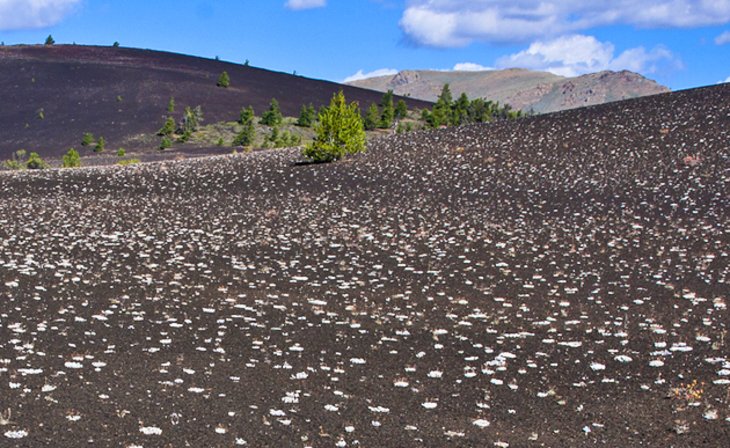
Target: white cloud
[[375, 73], [305, 4], [578, 54], [727, 80], [470, 67], [23, 14], [723, 38], [453, 23]]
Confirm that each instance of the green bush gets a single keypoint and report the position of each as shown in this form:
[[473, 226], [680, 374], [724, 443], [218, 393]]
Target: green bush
[[100, 145], [272, 117], [88, 139], [307, 116], [224, 80], [16, 161], [128, 162], [165, 143], [387, 117], [340, 132], [121, 152], [372, 117], [168, 128], [71, 159], [35, 162]]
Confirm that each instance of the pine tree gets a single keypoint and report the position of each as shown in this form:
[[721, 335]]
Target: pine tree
[[191, 120], [35, 162], [168, 128], [460, 113], [165, 143], [88, 139], [247, 115], [247, 136], [372, 117], [401, 110], [442, 113], [171, 105], [49, 41], [339, 132], [306, 116], [100, 145], [387, 117], [71, 159], [224, 80], [272, 117]]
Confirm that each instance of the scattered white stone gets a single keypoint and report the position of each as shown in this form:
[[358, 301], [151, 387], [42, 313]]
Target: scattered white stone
[[150, 430], [16, 434], [429, 405], [73, 365], [597, 366], [481, 423]]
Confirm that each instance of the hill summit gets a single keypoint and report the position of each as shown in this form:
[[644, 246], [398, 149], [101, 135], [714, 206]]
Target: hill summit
[[53, 94], [523, 89]]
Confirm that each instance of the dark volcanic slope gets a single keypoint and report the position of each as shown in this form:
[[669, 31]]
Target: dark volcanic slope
[[546, 282], [120, 93]]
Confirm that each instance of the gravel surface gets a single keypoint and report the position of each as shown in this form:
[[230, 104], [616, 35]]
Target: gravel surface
[[556, 281]]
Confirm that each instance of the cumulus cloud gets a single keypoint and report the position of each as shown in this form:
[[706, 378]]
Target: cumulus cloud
[[375, 73], [470, 67], [723, 38], [305, 4], [578, 54], [453, 23], [23, 14]]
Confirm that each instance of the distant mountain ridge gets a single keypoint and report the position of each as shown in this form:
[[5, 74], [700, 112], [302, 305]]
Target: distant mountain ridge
[[523, 89]]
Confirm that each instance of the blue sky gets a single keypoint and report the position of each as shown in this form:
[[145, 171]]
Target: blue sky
[[680, 43]]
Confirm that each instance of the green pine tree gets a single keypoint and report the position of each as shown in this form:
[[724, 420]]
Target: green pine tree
[[307, 116], [71, 159], [247, 115], [224, 80], [272, 117], [401, 110], [372, 117], [339, 132], [35, 162], [100, 145], [88, 139], [168, 128], [387, 116]]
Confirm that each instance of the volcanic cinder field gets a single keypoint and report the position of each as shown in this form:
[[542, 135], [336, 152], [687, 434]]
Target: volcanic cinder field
[[556, 281]]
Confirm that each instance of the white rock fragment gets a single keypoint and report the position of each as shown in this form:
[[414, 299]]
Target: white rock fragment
[[16, 434], [481, 423], [150, 430], [597, 366]]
